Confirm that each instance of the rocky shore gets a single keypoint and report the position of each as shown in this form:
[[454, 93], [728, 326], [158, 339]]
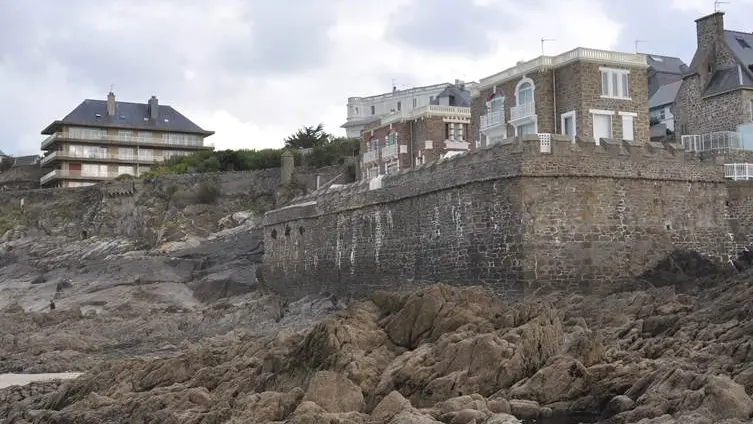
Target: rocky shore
[[183, 334]]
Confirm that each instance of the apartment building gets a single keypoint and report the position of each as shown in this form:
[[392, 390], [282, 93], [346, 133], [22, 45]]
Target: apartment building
[[365, 111], [408, 138], [102, 139], [586, 93], [715, 101]]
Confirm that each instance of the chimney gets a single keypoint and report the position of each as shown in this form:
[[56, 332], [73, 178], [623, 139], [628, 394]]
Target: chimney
[[111, 104], [153, 108], [709, 29]]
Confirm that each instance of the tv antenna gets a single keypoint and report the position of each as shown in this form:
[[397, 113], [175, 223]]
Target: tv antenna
[[638, 42], [717, 3], [544, 40], [112, 87]]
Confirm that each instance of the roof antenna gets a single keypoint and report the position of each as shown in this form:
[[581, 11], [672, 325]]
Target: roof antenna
[[394, 87], [638, 42], [544, 40], [717, 3], [112, 87]]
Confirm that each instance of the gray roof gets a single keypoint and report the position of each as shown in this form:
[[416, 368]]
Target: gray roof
[[727, 79], [735, 40], [461, 94], [664, 95], [128, 116], [666, 64], [730, 78]]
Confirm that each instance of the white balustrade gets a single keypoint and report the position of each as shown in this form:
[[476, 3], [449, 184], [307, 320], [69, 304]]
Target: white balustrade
[[522, 111], [492, 119]]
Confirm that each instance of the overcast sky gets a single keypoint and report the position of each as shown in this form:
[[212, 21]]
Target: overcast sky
[[256, 70]]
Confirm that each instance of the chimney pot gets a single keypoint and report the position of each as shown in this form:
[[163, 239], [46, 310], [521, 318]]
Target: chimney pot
[[111, 104], [153, 108]]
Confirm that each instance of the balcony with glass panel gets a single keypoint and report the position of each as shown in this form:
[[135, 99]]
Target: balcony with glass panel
[[171, 140]]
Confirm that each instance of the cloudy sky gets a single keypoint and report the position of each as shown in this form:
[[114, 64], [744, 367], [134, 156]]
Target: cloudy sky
[[256, 70]]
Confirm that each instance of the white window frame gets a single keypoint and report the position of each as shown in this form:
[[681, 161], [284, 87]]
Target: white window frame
[[617, 83], [520, 84], [564, 116], [751, 110], [497, 100], [609, 113], [535, 127], [391, 139], [628, 116]]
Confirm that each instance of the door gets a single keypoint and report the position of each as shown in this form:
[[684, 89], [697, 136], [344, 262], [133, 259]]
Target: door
[[568, 125], [602, 127]]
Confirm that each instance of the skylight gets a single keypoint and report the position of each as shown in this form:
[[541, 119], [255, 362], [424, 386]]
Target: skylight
[[743, 43], [658, 59]]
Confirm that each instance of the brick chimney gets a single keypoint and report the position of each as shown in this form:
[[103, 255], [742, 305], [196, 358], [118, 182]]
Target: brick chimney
[[153, 108], [111, 104], [710, 29]]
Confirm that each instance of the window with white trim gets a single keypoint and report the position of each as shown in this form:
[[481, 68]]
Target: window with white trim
[[615, 83], [454, 131], [373, 144], [628, 128], [568, 125], [525, 94], [391, 138], [497, 103], [415, 102], [602, 126]]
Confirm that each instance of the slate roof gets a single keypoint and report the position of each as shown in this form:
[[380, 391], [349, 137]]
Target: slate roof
[[665, 95], [462, 95], [127, 116], [666, 64], [730, 78]]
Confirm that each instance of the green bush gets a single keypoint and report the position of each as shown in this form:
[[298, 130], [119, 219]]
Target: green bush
[[207, 193]]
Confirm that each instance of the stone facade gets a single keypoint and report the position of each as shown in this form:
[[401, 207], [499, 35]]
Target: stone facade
[[419, 140], [697, 111], [586, 216], [574, 87]]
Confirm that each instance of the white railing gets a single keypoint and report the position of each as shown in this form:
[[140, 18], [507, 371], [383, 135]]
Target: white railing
[[713, 142], [545, 142], [457, 112], [580, 53], [492, 119], [738, 171], [522, 111], [124, 139], [370, 156], [456, 145], [48, 176], [106, 156], [63, 173], [389, 151]]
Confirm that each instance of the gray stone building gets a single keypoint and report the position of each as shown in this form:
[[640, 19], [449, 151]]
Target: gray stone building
[[583, 93], [716, 94]]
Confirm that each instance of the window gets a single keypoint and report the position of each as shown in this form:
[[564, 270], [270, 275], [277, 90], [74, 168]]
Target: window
[[399, 106], [372, 172], [415, 102], [496, 104], [125, 135], [529, 128], [568, 124], [454, 131], [615, 83], [602, 125], [391, 139], [628, 129], [145, 136], [525, 93], [373, 144], [751, 110], [126, 170], [373, 110]]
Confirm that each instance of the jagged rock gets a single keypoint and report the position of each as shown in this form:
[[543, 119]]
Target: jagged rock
[[391, 405], [334, 392]]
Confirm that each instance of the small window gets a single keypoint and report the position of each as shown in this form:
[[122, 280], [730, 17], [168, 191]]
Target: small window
[[373, 110], [399, 106], [301, 230], [615, 83], [743, 43], [274, 234], [415, 102], [287, 231]]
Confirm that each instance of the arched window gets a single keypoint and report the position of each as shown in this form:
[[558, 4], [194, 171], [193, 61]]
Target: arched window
[[495, 102], [524, 93]]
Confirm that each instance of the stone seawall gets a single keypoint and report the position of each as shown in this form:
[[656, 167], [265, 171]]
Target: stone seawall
[[513, 216]]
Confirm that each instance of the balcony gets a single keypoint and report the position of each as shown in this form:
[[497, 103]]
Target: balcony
[[456, 145], [456, 112], [77, 175], [124, 141], [103, 157], [389, 151], [371, 156], [721, 141], [523, 111], [492, 119], [738, 171]]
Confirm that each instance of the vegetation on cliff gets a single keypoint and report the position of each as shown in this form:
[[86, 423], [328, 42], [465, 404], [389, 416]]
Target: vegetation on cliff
[[312, 146]]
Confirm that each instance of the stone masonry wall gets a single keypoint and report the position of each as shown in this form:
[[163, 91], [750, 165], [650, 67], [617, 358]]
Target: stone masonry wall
[[585, 216], [697, 115]]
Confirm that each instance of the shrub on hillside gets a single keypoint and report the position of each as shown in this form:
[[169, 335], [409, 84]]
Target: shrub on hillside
[[207, 193]]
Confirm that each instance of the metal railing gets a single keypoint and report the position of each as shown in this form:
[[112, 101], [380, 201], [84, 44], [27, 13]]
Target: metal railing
[[492, 119], [738, 171], [125, 140], [430, 110], [522, 111], [103, 156], [389, 151], [64, 173], [713, 142]]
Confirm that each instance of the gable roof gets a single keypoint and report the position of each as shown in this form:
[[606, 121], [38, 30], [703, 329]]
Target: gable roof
[[736, 41], [666, 64], [127, 116], [664, 95]]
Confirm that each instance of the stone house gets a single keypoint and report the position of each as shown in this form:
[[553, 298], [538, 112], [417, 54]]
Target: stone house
[[716, 94], [409, 138], [584, 93]]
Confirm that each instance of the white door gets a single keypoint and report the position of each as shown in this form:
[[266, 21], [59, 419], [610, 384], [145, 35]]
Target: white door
[[602, 127], [627, 128]]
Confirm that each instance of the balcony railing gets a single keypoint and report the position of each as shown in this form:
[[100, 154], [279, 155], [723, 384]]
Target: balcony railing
[[522, 111], [129, 140], [456, 145], [103, 156], [389, 151], [720, 141], [430, 110], [738, 171], [64, 173], [370, 156], [492, 119]]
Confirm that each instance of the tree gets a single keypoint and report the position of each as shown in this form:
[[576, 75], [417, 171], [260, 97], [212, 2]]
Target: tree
[[308, 137]]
